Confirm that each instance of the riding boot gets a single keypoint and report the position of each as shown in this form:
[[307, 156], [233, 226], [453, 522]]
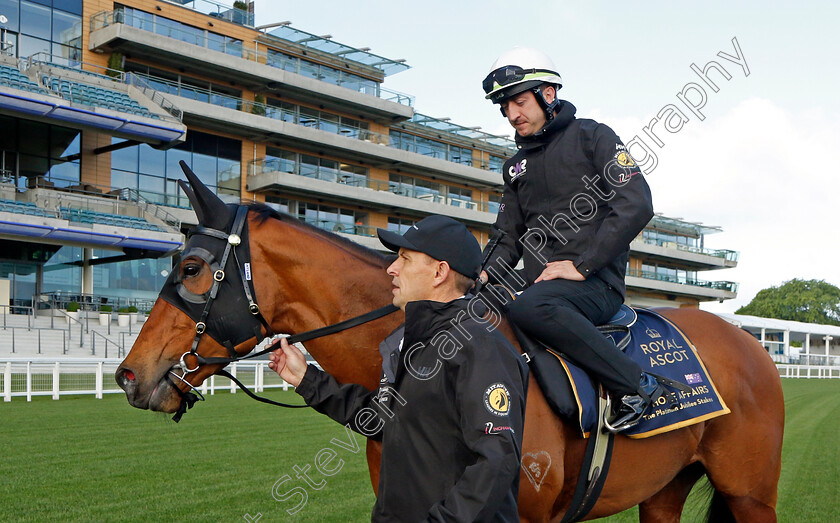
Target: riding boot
[[632, 407]]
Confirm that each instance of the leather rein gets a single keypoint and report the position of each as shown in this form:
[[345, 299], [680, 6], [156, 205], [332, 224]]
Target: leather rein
[[233, 239]]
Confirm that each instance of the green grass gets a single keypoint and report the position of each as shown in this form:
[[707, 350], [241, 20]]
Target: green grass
[[810, 457], [82, 459]]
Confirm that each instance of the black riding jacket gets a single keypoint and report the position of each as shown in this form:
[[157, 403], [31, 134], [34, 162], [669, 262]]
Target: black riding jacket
[[450, 414], [572, 192]]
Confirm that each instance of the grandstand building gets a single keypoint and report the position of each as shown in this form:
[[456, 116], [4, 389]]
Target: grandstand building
[[100, 100]]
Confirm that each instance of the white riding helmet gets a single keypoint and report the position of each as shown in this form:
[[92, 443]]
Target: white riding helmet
[[518, 70]]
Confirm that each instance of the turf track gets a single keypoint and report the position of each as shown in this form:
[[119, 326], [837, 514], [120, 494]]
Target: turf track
[[82, 459]]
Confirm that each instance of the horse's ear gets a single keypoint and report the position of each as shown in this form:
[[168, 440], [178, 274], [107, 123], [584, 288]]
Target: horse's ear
[[186, 188], [210, 210]]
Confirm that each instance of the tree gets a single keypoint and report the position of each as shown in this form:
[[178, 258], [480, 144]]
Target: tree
[[116, 65], [811, 301]]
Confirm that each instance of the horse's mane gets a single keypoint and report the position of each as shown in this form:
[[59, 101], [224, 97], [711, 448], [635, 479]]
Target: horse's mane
[[371, 256]]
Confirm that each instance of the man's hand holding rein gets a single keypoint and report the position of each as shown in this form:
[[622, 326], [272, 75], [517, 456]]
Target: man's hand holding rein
[[289, 362]]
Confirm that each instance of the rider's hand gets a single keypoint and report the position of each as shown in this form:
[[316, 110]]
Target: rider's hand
[[564, 270], [288, 362]]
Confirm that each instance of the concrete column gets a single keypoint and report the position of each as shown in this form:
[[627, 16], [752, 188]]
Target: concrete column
[[786, 343], [39, 288], [39, 280], [87, 271], [808, 347]]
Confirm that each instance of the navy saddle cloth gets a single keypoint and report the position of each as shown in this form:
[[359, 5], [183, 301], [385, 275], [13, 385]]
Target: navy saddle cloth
[[658, 346]]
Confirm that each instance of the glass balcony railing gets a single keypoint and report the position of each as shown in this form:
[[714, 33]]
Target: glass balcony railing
[[164, 86], [221, 11], [260, 109], [718, 285], [439, 150], [216, 42], [726, 254], [342, 227], [275, 165]]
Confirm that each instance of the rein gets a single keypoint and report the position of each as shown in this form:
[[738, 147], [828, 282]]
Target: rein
[[232, 240]]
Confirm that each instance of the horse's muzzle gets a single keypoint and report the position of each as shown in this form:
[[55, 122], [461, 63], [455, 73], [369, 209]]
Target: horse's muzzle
[[127, 381], [162, 396]]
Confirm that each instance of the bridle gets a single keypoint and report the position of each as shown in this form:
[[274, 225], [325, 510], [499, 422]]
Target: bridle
[[232, 240]]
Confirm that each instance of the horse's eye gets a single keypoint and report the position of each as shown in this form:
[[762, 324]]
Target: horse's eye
[[191, 269]]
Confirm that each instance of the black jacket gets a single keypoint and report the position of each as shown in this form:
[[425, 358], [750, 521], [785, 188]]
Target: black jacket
[[451, 426], [574, 193]]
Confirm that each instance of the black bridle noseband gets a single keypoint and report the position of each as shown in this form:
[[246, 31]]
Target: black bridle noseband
[[234, 323]]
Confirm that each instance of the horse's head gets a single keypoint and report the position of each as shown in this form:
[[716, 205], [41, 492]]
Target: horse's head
[[205, 309]]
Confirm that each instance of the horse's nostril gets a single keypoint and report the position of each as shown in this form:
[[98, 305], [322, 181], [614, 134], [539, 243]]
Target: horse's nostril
[[125, 378]]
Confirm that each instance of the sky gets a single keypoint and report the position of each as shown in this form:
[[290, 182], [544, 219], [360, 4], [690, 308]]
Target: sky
[[756, 159]]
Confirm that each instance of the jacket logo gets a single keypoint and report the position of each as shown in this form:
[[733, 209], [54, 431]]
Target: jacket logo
[[518, 169], [497, 399], [489, 428], [624, 159]]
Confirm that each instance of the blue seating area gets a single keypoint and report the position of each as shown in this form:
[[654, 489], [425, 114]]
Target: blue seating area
[[26, 208], [95, 96], [12, 77], [89, 216], [79, 215]]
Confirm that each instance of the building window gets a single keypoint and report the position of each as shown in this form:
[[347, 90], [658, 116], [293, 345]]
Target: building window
[[141, 278], [279, 110], [399, 225], [333, 219], [495, 164], [461, 155], [216, 161], [187, 87], [278, 204], [494, 201], [173, 29], [460, 197], [281, 160], [416, 188], [430, 191], [429, 147], [46, 157], [664, 273], [310, 117], [320, 72], [661, 238], [35, 27]]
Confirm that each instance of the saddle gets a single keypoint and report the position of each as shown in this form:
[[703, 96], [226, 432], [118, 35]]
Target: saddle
[[550, 367], [659, 347]]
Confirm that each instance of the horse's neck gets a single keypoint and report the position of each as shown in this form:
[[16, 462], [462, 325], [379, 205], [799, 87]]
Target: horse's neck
[[312, 282]]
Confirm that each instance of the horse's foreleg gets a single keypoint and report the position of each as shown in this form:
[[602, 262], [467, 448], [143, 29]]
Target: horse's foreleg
[[667, 504]]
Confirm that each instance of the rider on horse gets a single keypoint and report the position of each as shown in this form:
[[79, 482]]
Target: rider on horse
[[573, 201]]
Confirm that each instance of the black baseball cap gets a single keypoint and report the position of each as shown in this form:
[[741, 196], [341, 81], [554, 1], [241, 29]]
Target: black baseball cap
[[442, 238]]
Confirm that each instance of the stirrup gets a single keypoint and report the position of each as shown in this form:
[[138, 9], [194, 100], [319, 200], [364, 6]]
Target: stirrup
[[629, 419]]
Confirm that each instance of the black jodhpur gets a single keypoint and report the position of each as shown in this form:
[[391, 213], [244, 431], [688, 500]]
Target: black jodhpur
[[563, 314]]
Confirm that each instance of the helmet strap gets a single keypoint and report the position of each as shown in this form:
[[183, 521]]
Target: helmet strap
[[549, 108]]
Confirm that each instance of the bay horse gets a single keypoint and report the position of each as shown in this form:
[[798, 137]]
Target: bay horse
[[305, 278]]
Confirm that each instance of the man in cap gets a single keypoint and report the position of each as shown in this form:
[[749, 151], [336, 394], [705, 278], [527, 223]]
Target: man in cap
[[573, 201], [451, 403]]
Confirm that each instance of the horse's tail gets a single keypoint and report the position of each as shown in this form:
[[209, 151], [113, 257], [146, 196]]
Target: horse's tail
[[719, 511]]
